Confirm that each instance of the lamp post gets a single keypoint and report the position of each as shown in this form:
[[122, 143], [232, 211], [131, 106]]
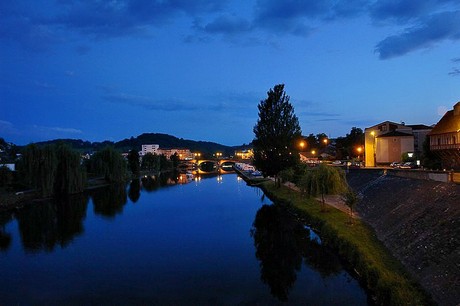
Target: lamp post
[[359, 149], [373, 148]]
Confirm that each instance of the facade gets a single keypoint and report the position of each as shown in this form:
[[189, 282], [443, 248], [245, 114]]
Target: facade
[[244, 154], [182, 153], [149, 148], [445, 138], [385, 143], [420, 132]]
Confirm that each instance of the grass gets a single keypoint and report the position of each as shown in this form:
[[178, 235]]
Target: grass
[[357, 243]]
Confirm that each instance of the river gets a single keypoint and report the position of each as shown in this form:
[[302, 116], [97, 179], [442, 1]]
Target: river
[[212, 241]]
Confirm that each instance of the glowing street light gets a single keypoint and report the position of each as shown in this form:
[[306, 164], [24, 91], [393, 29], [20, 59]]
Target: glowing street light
[[359, 149], [325, 141], [313, 152], [302, 144], [373, 148]]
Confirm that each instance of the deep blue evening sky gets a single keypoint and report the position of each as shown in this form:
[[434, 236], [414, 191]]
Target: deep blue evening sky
[[196, 69]]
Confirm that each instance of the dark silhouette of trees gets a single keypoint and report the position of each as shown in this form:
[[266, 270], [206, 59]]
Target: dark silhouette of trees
[[6, 176], [52, 169], [133, 162], [278, 238], [53, 223], [350, 198], [346, 146], [110, 164], [70, 175], [109, 201], [323, 180], [282, 243], [150, 162], [134, 192], [277, 133], [38, 168], [429, 159]]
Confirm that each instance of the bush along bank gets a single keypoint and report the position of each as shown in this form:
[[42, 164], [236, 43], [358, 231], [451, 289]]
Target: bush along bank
[[358, 245]]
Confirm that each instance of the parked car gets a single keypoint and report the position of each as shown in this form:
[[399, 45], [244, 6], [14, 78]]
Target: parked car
[[407, 165], [337, 163], [395, 164]]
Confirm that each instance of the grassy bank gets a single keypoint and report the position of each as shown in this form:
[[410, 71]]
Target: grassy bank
[[381, 273]]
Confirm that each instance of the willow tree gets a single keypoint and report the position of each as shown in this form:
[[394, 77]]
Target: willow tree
[[110, 164], [276, 133], [323, 180], [38, 168], [70, 175]]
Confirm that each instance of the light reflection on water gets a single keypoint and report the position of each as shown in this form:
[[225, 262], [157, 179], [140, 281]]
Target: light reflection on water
[[213, 241]]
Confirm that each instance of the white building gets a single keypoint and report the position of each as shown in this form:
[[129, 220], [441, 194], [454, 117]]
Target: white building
[[149, 148]]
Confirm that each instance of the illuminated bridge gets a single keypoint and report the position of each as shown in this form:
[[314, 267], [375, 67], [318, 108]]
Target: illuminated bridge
[[203, 166]]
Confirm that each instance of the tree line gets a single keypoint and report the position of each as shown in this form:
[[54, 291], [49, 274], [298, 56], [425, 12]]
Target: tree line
[[57, 169]]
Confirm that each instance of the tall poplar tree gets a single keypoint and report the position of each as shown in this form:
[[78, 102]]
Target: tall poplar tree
[[277, 133]]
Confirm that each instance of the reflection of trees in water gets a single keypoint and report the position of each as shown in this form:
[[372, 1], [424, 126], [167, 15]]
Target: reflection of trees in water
[[134, 192], [57, 222], [281, 243], [278, 240], [5, 238], [109, 201], [152, 183]]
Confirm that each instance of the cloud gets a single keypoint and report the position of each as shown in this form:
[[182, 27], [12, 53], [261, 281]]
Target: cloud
[[37, 28], [57, 129], [120, 18], [168, 105], [401, 11], [319, 114], [455, 72], [4, 124], [430, 31], [226, 25], [7, 128], [456, 60], [299, 17]]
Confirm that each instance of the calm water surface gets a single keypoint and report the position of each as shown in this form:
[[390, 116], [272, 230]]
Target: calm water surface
[[215, 241]]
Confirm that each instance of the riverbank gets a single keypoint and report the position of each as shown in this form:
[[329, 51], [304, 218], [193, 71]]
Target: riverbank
[[418, 221], [381, 273]]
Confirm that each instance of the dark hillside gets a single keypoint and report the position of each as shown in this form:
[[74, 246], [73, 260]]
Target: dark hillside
[[168, 141], [164, 140]]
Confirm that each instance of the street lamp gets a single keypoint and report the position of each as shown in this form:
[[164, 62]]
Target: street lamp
[[302, 145], [325, 140], [359, 149], [373, 148]]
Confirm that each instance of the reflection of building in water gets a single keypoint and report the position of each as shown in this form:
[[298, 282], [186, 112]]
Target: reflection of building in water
[[184, 178]]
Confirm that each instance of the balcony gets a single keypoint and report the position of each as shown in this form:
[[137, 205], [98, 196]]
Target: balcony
[[454, 146]]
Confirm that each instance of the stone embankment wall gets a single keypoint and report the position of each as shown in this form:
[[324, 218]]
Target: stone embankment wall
[[419, 222], [439, 176]]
